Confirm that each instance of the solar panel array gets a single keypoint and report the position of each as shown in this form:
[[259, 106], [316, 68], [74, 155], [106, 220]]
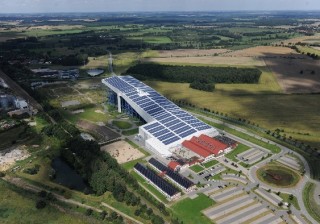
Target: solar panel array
[[185, 182], [158, 181], [171, 122]]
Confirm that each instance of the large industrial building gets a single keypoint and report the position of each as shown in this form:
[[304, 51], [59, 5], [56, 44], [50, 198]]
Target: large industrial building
[[167, 125]]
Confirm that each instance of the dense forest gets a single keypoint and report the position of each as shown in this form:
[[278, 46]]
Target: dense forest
[[190, 74], [103, 174]]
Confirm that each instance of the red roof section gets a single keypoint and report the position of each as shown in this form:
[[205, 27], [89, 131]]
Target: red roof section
[[204, 145], [173, 165]]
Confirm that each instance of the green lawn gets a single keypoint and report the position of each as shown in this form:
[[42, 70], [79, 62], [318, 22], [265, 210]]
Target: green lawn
[[196, 168], [240, 148], [17, 206], [261, 174], [189, 210], [312, 207], [293, 201], [210, 163], [261, 103], [131, 132], [122, 124], [305, 50]]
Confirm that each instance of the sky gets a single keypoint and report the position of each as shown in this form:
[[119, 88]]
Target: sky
[[48, 6]]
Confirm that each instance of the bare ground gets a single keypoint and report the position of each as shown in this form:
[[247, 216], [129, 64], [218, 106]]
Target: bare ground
[[122, 151], [7, 159]]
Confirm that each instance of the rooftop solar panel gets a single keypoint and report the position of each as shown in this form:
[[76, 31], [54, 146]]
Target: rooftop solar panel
[[177, 121]]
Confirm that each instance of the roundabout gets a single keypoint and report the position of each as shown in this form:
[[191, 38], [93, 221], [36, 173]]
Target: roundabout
[[278, 176]]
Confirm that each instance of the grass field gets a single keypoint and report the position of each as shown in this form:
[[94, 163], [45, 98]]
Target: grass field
[[196, 168], [305, 50], [293, 201], [122, 124], [312, 207], [189, 210], [240, 148], [17, 206], [279, 168], [210, 163], [131, 132], [296, 114]]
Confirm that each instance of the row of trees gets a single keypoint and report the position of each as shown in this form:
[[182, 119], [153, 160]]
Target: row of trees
[[103, 174], [202, 84], [189, 74]]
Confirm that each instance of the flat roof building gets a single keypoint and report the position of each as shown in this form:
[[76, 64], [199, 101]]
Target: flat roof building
[[167, 125]]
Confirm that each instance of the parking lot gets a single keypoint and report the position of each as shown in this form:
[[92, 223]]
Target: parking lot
[[235, 206], [252, 155]]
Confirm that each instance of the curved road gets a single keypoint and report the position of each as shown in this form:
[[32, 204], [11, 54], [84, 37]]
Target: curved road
[[297, 191]]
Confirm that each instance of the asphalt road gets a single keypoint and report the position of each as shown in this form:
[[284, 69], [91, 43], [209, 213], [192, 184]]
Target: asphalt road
[[251, 173]]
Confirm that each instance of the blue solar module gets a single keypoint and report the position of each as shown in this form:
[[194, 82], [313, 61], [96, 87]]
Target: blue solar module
[[170, 117], [170, 140], [189, 132], [156, 129], [148, 127], [155, 179], [180, 180], [161, 132], [203, 128], [176, 126], [174, 122], [183, 129], [165, 137]]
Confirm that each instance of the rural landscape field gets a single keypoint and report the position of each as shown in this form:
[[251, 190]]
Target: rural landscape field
[[71, 154]]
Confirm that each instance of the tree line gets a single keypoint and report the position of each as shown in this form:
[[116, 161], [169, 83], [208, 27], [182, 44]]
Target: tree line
[[189, 74]]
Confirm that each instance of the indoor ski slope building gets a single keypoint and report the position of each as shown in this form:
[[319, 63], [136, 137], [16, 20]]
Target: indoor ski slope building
[[167, 125]]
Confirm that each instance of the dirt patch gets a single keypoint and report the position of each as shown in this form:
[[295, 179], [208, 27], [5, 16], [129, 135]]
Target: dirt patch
[[296, 75], [217, 60], [7, 159], [190, 52], [122, 151]]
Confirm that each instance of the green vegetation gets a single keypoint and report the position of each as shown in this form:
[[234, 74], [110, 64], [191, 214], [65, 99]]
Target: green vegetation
[[308, 199], [240, 149], [278, 176], [196, 168], [131, 132], [289, 198], [190, 74], [312, 52], [210, 163], [202, 84], [189, 210], [15, 135], [23, 207], [122, 124]]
